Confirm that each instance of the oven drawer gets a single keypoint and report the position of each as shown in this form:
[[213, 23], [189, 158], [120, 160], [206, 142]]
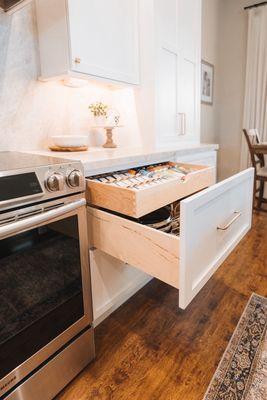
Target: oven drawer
[[212, 222], [136, 203]]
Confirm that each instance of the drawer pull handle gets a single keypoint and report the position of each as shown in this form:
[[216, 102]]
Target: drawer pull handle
[[235, 217], [182, 124]]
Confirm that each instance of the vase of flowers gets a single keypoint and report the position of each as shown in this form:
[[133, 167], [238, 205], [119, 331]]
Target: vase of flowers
[[99, 111]]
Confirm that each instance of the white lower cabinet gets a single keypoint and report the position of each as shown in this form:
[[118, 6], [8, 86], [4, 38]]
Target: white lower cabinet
[[113, 283], [212, 222], [204, 158]]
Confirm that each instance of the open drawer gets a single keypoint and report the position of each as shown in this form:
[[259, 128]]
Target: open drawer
[[136, 203], [212, 222]]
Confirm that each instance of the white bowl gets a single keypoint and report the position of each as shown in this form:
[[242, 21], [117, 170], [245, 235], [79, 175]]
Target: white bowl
[[70, 141]]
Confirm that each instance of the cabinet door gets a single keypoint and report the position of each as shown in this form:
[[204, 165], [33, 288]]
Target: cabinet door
[[104, 38], [189, 48], [189, 28], [178, 48], [166, 94], [167, 79], [188, 99]]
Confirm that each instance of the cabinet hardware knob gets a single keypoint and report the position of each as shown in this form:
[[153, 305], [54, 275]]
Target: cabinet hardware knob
[[77, 60]]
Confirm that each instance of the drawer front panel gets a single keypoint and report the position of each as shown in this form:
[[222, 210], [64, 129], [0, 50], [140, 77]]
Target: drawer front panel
[[147, 249], [137, 203], [212, 224]]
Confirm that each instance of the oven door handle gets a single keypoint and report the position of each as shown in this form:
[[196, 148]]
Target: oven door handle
[[34, 221]]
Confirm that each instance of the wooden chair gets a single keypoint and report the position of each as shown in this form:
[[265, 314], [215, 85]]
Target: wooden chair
[[258, 162]]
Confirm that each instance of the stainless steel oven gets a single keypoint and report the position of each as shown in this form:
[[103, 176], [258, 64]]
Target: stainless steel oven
[[45, 297]]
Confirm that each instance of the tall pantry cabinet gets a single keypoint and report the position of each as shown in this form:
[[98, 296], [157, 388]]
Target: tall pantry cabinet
[[168, 98]]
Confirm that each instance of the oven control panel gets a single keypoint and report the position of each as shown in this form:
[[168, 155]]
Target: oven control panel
[[64, 180], [40, 183]]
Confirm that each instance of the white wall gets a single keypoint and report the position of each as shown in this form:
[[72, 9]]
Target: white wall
[[31, 111], [228, 20], [232, 64], [210, 53]]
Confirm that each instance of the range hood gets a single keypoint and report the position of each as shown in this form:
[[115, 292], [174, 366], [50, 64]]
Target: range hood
[[11, 6]]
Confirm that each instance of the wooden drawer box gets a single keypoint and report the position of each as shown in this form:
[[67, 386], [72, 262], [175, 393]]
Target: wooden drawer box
[[137, 203], [212, 222]]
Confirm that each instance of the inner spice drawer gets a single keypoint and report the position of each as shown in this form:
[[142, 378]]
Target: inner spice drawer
[[139, 200]]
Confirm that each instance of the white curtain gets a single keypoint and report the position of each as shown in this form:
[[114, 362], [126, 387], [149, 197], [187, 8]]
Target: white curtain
[[255, 106]]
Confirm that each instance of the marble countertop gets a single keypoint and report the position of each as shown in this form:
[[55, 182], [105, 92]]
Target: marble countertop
[[98, 160]]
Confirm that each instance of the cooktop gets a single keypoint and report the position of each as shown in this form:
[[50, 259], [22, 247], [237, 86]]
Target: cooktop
[[13, 160]]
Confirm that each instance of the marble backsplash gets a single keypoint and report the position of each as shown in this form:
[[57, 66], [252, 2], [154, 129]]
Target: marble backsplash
[[32, 111]]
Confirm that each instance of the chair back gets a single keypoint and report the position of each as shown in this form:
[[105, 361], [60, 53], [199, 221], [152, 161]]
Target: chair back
[[252, 137]]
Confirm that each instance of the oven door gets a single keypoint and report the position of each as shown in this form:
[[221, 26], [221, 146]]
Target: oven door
[[45, 297]]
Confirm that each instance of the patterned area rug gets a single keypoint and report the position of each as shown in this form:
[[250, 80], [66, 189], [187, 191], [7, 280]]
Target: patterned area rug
[[242, 372]]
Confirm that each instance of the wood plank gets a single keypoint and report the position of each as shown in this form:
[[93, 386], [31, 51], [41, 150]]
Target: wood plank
[[149, 350], [150, 250]]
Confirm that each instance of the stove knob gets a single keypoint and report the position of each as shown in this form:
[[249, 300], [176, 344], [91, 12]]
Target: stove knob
[[55, 182], [75, 178]]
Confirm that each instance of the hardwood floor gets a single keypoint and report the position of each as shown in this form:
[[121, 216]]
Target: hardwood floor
[[150, 350]]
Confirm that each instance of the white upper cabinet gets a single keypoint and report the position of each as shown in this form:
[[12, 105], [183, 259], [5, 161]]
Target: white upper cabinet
[[89, 38], [172, 86]]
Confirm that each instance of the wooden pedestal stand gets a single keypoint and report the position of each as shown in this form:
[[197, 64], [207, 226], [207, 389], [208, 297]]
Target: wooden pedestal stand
[[109, 132]]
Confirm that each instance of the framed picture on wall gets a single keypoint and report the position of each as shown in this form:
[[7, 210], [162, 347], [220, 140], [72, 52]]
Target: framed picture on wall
[[207, 82]]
